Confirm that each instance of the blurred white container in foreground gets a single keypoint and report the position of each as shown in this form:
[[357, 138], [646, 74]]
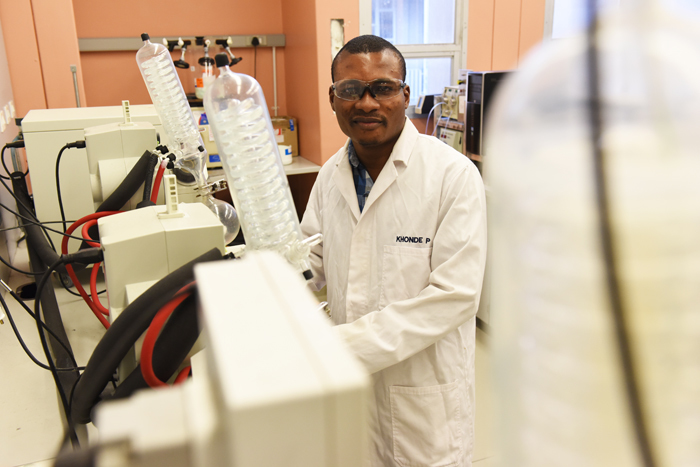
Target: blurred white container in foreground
[[561, 387]]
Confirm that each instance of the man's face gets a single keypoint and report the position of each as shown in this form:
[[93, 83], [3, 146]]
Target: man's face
[[369, 122]]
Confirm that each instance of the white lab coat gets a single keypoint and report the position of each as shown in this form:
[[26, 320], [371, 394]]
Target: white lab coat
[[404, 279]]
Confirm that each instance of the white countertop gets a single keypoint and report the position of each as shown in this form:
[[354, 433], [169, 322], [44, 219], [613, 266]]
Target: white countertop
[[300, 165]]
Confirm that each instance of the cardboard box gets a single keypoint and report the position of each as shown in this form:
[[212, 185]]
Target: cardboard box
[[287, 132]]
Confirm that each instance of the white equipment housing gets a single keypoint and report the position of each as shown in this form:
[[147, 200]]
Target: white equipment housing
[[274, 387], [46, 131], [143, 246], [112, 151]]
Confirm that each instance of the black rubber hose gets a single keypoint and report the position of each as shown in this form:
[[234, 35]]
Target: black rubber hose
[[126, 189], [35, 235], [174, 343], [56, 356], [148, 180], [79, 458], [124, 332]]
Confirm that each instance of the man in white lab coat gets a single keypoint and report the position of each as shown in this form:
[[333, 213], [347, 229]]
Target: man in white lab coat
[[404, 243]]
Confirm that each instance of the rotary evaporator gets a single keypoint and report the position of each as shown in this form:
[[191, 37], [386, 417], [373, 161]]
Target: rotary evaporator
[[168, 96], [241, 124]]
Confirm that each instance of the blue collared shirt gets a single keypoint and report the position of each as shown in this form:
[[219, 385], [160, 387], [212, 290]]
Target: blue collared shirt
[[363, 182]]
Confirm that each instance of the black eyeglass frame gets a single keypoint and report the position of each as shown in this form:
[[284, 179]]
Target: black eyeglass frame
[[368, 84]]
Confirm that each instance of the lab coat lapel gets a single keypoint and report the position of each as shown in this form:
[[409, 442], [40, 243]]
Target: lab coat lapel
[[384, 181], [342, 178], [397, 161]]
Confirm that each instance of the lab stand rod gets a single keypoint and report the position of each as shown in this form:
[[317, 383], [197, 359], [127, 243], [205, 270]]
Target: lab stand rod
[[74, 70], [111, 44], [274, 78]]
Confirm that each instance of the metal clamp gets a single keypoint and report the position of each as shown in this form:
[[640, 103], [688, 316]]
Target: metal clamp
[[213, 187]]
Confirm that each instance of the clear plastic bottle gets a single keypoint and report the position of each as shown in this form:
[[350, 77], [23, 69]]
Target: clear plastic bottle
[[160, 75], [241, 125], [557, 366]]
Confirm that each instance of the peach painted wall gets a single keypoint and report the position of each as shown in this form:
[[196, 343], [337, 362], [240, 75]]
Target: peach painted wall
[[58, 50], [531, 25], [308, 72], [333, 138], [299, 24], [8, 239], [501, 32], [22, 55], [41, 45], [307, 26], [111, 77]]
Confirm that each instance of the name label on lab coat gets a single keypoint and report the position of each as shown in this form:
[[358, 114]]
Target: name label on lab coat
[[404, 239]]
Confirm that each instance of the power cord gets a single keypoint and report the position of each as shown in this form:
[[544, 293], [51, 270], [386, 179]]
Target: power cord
[[41, 224], [14, 145], [6, 308], [29, 220], [28, 209], [75, 144], [8, 229]]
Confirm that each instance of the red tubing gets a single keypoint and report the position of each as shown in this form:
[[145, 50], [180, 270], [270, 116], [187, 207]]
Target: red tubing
[[86, 233], [93, 289], [149, 341], [182, 376], [156, 184], [69, 268]]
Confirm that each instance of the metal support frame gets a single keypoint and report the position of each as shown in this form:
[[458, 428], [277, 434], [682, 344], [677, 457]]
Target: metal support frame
[[113, 44]]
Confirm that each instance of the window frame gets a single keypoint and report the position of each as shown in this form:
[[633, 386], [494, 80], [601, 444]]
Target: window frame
[[548, 20], [457, 50]]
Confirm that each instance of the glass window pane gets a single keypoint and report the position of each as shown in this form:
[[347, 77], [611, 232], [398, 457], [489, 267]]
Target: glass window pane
[[428, 76], [414, 21]]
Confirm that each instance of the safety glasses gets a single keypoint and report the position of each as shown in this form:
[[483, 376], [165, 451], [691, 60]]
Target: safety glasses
[[380, 89]]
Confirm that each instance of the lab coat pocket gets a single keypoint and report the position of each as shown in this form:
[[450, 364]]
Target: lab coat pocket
[[426, 424], [405, 272]]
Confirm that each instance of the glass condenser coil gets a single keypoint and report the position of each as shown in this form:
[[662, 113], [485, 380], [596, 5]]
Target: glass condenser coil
[[185, 141], [241, 125]]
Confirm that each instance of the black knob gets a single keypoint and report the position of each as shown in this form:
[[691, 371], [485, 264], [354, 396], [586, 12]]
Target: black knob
[[221, 60]]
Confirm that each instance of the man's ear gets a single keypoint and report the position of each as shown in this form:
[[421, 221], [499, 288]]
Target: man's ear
[[406, 96], [331, 97]]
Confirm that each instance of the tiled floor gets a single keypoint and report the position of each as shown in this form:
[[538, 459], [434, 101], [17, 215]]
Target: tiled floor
[[30, 423]]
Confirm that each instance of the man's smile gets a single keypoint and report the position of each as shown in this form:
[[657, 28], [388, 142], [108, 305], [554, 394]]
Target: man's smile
[[368, 123]]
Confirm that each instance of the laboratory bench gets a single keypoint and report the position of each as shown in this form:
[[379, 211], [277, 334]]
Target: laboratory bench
[[31, 426], [301, 175]]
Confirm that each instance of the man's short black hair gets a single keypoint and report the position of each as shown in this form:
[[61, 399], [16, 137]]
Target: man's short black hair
[[369, 44]]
